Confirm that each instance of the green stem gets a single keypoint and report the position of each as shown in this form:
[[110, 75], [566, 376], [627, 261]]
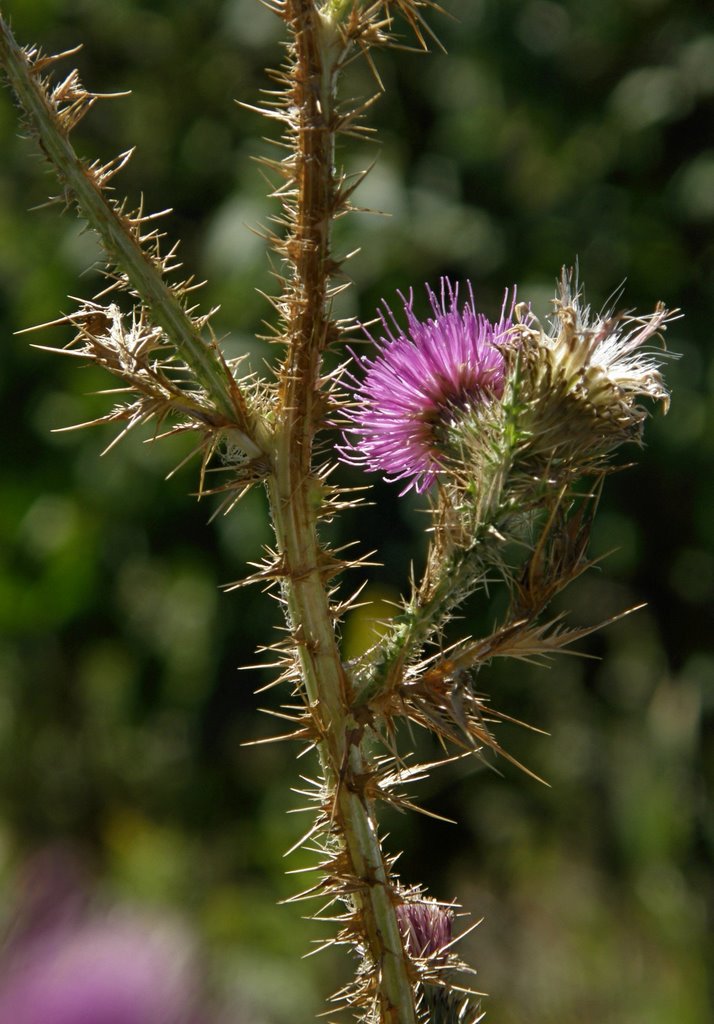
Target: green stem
[[317, 51], [447, 582], [413, 628]]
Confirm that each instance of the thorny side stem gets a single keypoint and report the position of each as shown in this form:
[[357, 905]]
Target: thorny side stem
[[122, 247], [316, 53], [447, 580], [450, 576], [427, 610]]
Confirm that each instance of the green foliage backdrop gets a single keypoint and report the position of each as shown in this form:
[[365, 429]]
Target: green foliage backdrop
[[550, 132]]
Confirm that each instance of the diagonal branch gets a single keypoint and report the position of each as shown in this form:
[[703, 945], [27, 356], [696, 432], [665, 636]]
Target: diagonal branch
[[120, 233]]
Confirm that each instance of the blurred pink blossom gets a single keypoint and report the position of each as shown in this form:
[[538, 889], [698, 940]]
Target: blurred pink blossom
[[65, 964]]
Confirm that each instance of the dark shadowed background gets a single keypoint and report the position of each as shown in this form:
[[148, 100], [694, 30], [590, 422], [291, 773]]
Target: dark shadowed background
[[550, 132]]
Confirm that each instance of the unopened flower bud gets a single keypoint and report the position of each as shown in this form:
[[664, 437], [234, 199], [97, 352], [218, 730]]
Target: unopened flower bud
[[426, 927]]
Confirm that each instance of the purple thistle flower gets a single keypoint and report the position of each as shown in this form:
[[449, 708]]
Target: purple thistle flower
[[421, 382]]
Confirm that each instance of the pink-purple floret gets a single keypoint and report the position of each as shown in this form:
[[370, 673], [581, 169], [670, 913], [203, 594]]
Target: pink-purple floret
[[419, 376]]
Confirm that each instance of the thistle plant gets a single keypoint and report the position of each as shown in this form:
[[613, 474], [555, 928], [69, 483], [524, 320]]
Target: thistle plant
[[507, 429]]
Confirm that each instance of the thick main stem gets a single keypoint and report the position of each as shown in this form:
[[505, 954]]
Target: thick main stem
[[316, 52]]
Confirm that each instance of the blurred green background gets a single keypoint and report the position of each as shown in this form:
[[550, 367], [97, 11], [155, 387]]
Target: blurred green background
[[550, 132]]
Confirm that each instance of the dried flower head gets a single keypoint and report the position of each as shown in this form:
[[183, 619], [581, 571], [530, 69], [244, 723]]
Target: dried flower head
[[583, 375], [422, 382]]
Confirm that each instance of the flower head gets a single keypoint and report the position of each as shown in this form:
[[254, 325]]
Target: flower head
[[422, 381], [427, 927], [582, 377]]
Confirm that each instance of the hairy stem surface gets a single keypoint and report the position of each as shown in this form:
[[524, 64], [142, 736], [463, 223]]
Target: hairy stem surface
[[308, 328]]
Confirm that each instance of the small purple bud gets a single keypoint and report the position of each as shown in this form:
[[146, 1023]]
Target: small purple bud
[[426, 927]]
